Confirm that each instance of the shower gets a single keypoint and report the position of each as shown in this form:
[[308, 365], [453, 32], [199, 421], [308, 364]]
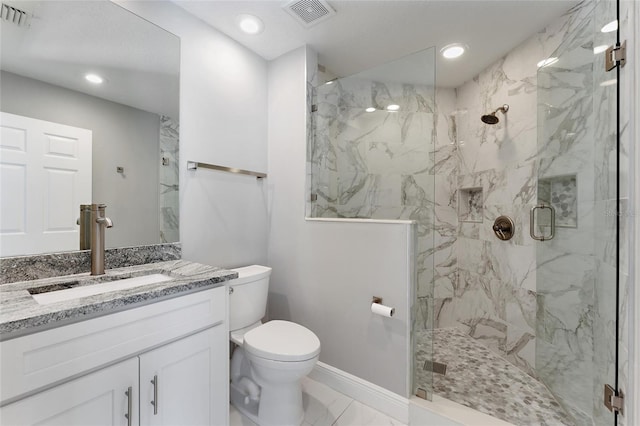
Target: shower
[[491, 118]]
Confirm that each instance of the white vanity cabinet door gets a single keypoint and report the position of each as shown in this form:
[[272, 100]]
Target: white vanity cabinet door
[[94, 399], [191, 381]]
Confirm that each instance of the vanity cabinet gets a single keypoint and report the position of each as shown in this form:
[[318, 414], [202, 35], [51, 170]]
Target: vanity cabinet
[[97, 398], [177, 382], [163, 364]]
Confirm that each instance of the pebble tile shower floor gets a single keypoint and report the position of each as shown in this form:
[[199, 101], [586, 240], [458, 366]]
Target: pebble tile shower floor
[[480, 379]]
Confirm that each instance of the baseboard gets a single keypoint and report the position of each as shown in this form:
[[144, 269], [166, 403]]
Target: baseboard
[[440, 411], [383, 400]]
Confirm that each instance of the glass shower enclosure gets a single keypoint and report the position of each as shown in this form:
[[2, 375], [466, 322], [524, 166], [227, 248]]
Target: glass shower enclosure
[[371, 156]]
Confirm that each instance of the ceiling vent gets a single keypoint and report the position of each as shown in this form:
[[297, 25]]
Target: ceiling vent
[[13, 15], [309, 12]]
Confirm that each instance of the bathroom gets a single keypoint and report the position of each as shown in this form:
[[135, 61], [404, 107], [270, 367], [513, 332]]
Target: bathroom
[[240, 110]]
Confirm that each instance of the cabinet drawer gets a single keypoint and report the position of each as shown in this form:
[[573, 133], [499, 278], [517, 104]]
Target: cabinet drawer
[[41, 359]]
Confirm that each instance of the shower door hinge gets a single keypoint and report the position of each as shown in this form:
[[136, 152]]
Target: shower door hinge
[[615, 55], [614, 402]]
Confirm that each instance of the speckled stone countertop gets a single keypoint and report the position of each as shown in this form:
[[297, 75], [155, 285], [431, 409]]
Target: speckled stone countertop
[[20, 314], [35, 267]]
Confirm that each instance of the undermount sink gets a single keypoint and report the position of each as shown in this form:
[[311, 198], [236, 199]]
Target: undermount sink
[[71, 290]]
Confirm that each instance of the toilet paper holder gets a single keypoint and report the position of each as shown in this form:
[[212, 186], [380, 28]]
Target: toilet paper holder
[[379, 309]]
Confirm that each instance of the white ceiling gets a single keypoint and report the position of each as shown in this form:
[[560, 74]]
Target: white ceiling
[[365, 33], [67, 39], [140, 61]]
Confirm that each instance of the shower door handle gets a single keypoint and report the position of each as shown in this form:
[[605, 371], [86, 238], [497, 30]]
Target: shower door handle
[[532, 222]]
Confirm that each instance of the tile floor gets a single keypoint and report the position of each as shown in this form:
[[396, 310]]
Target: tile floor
[[480, 379], [324, 406]]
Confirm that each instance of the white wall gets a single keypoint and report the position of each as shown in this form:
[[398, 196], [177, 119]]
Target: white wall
[[122, 136], [325, 273], [223, 120]]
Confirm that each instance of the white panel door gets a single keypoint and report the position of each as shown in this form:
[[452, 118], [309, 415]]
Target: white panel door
[[45, 174], [98, 398], [188, 389]]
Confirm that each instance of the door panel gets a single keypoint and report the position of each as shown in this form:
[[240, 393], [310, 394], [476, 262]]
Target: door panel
[[95, 399], [45, 173]]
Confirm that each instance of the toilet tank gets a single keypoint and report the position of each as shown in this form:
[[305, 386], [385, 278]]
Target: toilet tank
[[248, 300]]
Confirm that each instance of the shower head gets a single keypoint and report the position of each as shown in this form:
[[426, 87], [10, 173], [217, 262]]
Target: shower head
[[491, 118]]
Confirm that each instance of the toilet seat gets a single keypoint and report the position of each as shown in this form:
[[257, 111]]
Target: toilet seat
[[282, 341], [237, 336]]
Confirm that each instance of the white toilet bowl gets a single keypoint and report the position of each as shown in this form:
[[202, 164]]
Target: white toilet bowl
[[271, 358], [280, 353]]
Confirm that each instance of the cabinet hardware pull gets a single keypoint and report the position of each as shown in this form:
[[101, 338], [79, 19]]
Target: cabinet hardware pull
[[155, 395], [129, 394]]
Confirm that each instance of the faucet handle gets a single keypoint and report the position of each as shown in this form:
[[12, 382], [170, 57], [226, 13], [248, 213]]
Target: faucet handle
[[105, 221]]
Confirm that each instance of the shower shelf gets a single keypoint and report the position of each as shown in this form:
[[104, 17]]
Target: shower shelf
[[470, 205], [194, 165]]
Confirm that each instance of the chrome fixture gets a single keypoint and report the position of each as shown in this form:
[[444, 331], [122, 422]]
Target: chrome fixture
[[194, 165], [503, 228], [85, 226], [491, 118], [98, 222], [532, 220]]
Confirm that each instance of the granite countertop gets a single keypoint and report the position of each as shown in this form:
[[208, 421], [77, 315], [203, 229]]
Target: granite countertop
[[20, 314]]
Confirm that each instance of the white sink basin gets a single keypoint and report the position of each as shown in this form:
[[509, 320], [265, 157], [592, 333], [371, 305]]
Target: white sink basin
[[98, 288]]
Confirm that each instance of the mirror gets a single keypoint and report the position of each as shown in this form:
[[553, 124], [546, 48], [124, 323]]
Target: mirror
[[48, 48]]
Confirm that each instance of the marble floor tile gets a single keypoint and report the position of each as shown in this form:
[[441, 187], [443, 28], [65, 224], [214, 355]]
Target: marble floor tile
[[322, 405], [358, 414], [480, 379], [238, 419]]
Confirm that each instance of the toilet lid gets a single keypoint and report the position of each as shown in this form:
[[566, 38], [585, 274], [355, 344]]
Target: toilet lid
[[282, 341]]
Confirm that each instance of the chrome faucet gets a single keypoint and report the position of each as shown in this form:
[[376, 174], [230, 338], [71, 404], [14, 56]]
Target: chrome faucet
[[98, 223]]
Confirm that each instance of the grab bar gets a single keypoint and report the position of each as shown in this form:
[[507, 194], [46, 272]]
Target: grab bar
[[193, 165]]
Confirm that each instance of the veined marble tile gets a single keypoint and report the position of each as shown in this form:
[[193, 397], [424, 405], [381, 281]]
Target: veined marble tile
[[520, 349], [322, 405], [359, 414], [394, 158]]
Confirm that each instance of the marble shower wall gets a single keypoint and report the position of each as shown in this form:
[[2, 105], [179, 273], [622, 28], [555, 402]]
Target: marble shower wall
[[567, 266], [169, 189], [546, 307], [380, 164], [494, 296]]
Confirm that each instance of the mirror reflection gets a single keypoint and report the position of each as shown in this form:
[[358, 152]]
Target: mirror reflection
[[89, 101]]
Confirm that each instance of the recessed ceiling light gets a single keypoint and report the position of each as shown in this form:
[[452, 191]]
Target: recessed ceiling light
[[393, 107], [250, 24], [94, 78], [610, 27], [370, 109], [608, 82], [546, 62], [452, 51], [600, 49]]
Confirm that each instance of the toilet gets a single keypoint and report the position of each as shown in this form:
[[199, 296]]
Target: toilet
[[270, 359]]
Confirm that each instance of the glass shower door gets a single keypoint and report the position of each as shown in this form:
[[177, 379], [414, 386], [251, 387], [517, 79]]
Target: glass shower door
[[575, 218]]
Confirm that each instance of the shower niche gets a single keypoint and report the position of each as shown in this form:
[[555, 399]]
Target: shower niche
[[560, 192], [470, 205]]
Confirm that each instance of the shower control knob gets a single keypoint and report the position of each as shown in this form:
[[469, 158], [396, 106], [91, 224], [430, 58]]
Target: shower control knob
[[503, 227]]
